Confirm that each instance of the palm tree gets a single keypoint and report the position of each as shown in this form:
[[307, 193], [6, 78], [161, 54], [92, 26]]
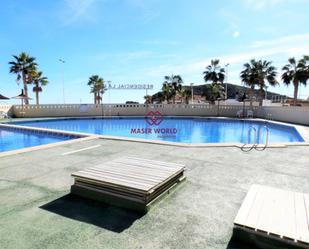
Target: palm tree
[[185, 94], [97, 88], [213, 92], [172, 85], [296, 73], [266, 74], [166, 92], [258, 73], [148, 99], [249, 77], [23, 65], [38, 80], [159, 97], [215, 74]]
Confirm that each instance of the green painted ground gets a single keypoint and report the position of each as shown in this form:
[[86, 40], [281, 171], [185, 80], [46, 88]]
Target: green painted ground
[[37, 212]]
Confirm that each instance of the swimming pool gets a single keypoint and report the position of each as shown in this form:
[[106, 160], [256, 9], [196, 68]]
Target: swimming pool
[[184, 130], [13, 139]]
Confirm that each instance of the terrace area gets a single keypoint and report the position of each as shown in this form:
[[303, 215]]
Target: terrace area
[[37, 211]]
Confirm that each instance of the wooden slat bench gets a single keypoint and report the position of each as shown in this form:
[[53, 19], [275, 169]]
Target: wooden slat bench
[[128, 182], [273, 218]]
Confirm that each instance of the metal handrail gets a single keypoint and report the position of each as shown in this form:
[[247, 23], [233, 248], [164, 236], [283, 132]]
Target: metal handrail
[[266, 139], [243, 148]]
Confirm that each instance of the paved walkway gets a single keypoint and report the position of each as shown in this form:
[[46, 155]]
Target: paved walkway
[[37, 212]]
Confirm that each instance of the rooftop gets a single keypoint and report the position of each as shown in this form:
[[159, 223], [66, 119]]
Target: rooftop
[[37, 211]]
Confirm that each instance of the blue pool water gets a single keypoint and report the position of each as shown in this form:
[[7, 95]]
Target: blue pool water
[[185, 130], [18, 139]]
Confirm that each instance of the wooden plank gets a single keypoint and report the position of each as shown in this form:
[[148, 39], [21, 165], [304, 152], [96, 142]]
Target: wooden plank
[[288, 220], [254, 213], [148, 164], [157, 162], [131, 178], [138, 168], [246, 205], [302, 232], [266, 214], [277, 213], [128, 173], [109, 185], [115, 179], [306, 200], [112, 180], [125, 176], [134, 168], [119, 194]]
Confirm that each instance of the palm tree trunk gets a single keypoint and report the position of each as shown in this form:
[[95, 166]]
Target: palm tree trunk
[[261, 96], [295, 92], [251, 97], [37, 97], [94, 98], [25, 88]]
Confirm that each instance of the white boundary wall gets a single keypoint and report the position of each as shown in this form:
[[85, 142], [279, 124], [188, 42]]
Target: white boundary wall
[[5, 107], [290, 114], [298, 115], [77, 110]]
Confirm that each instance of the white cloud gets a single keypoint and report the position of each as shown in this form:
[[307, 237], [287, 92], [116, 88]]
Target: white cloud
[[236, 34], [291, 39], [261, 4], [283, 47], [76, 10]]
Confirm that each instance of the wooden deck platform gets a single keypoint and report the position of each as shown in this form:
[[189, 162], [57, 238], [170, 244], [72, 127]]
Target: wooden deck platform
[[273, 218], [128, 182]]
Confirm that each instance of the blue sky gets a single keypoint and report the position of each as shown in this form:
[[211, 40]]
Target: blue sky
[[141, 41]]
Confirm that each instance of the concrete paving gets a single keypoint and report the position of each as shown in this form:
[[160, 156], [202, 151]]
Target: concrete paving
[[36, 210]]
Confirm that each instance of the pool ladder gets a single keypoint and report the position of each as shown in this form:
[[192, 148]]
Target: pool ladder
[[255, 145]]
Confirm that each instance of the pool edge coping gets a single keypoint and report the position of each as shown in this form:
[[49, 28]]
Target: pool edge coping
[[302, 130], [80, 137]]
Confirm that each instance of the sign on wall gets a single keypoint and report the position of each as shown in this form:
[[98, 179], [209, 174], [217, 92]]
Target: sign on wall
[[130, 86]]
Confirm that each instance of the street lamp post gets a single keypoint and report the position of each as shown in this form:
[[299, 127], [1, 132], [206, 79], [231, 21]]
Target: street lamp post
[[192, 98], [226, 75], [62, 72], [109, 97], [266, 92]]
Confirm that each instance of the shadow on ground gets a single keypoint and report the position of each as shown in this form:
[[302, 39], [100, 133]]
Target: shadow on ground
[[96, 213], [235, 244]]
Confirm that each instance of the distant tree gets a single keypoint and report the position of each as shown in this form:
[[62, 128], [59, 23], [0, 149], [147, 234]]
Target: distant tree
[[97, 87], [249, 77], [296, 72], [22, 66], [148, 99], [185, 95], [266, 74], [172, 85], [39, 81], [258, 73], [213, 92], [158, 98], [167, 92], [215, 74]]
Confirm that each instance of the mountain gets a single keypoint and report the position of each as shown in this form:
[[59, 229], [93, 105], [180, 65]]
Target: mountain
[[231, 91]]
